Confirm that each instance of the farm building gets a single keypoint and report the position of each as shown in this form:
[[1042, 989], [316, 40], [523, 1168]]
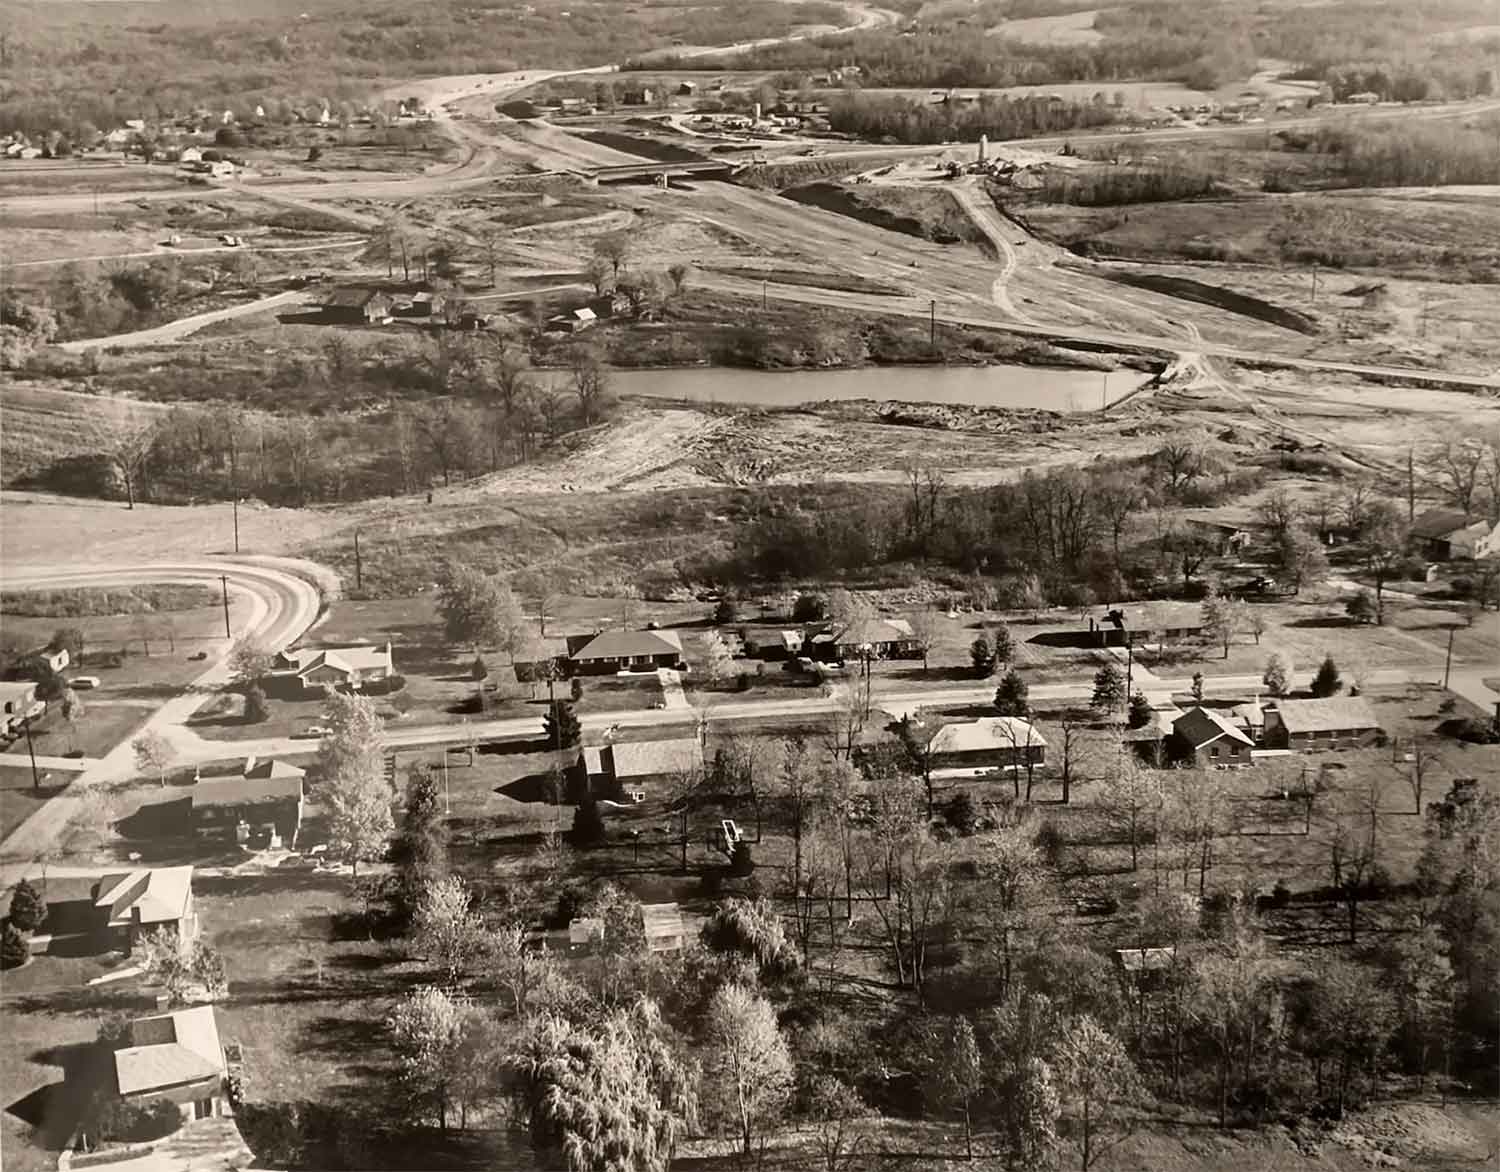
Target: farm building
[[1340, 722], [615, 651], [352, 305], [663, 926]]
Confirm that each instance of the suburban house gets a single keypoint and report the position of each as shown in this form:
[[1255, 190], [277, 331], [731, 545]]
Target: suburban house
[[351, 305], [262, 805], [1146, 622], [326, 668], [86, 913], [771, 642], [626, 769], [1206, 739], [17, 702], [663, 927], [616, 651], [1144, 970], [1444, 534], [176, 1057], [1339, 722], [995, 742], [880, 639], [56, 658]]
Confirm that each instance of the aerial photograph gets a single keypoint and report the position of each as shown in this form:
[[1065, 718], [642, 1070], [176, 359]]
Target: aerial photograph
[[750, 585]]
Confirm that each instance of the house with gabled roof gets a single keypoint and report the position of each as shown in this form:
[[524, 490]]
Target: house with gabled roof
[[992, 742], [627, 769], [355, 305], [608, 652], [1208, 739], [132, 904], [1444, 534], [326, 668], [1140, 623], [263, 805], [1336, 722], [176, 1058], [878, 639]]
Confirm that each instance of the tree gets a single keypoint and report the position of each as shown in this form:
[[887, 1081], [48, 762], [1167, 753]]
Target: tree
[[1197, 687], [1382, 549], [560, 726], [256, 708], [718, 660], [1097, 1079], [1109, 689], [835, 1109], [1069, 751], [810, 608], [1350, 1020], [1011, 865], [15, 948], [982, 654], [71, 640], [429, 1027], [924, 629], [183, 971], [73, 711], [749, 1062], [478, 610], [1220, 619], [1420, 760], [544, 591], [588, 824], [918, 734], [127, 442], [1012, 697], [1278, 674], [1361, 607], [28, 909], [679, 273], [726, 611], [1129, 794], [1003, 644], [614, 248], [249, 663], [1139, 715], [1302, 558], [153, 754], [751, 929], [1326, 681], [354, 787], [956, 1072], [590, 383], [798, 795], [447, 928]]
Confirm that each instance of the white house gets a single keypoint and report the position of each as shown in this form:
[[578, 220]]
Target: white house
[[337, 667]]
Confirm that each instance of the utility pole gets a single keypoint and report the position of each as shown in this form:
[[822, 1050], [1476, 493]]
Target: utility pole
[[234, 490], [764, 294], [224, 582], [1315, 284], [1104, 395], [36, 782], [1129, 668], [932, 324], [1448, 661], [358, 565], [1411, 485]]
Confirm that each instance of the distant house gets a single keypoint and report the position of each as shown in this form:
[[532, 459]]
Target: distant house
[[609, 305], [17, 702], [133, 904], [638, 96], [627, 769], [1146, 622], [994, 742], [663, 927], [264, 804], [585, 932], [574, 321], [687, 89], [351, 305], [177, 1058], [1443, 534], [616, 651], [1207, 739], [422, 304], [221, 169], [881, 639], [1227, 538], [1339, 722], [771, 642], [56, 658], [190, 154], [1144, 970], [327, 668]]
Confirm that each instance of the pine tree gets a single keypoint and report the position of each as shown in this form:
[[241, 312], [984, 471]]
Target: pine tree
[[1012, 696], [256, 708], [15, 949], [561, 726], [983, 655], [588, 824], [28, 910], [1004, 645], [1140, 711], [1327, 682], [1109, 689]]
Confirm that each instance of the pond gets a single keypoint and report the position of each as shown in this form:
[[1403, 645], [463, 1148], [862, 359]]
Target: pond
[[1047, 388]]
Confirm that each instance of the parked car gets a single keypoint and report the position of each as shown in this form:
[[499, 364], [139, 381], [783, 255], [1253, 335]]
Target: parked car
[[198, 655], [311, 732], [84, 683]]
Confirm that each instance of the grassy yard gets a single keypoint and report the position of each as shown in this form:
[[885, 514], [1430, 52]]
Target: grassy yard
[[18, 799]]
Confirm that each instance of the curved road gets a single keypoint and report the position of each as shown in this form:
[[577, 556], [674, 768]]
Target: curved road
[[277, 602]]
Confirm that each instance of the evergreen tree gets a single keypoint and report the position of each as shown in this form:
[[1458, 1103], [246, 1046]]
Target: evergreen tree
[[1003, 644], [561, 726], [1012, 696], [1140, 711], [1327, 682], [588, 824], [982, 652], [28, 909], [256, 708], [1109, 689], [15, 949]]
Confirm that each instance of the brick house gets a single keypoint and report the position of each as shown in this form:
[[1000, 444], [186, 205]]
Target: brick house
[[609, 652], [1206, 739], [1339, 722], [263, 804], [884, 638], [996, 742], [1147, 622]]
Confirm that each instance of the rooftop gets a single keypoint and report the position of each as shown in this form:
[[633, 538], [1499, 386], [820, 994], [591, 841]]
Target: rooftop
[[663, 926], [1330, 715], [159, 895], [350, 297], [1437, 523], [1148, 616], [626, 644], [646, 758], [363, 657], [247, 791], [990, 732], [1202, 726], [176, 1048]]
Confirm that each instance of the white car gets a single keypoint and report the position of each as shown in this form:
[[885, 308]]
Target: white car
[[311, 732], [84, 683]]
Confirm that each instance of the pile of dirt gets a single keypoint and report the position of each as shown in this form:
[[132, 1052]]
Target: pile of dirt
[[646, 148], [915, 213], [1189, 290]]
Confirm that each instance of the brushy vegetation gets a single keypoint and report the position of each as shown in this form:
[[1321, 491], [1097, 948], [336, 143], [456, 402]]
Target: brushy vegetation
[[91, 601], [908, 121]]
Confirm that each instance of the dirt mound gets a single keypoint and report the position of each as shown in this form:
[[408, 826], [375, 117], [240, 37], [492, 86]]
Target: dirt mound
[[1189, 290], [913, 214], [646, 148]]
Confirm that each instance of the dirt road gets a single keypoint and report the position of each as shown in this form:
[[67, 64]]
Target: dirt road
[[175, 331]]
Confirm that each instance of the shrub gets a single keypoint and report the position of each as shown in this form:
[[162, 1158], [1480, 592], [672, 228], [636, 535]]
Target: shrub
[[576, 689], [571, 901], [256, 709], [28, 910], [1050, 841], [15, 948], [478, 670], [140, 1124], [958, 812], [1470, 731], [1327, 681], [1140, 711], [743, 681], [726, 611], [1361, 607]]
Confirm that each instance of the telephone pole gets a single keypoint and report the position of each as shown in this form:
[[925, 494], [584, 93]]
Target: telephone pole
[[234, 491], [31, 752], [1448, 661], [224, 582], [932, 324], [358, 565]]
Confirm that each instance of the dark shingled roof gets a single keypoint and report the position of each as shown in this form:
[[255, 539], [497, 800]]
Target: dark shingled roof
[[246, 791], [1199, 727]]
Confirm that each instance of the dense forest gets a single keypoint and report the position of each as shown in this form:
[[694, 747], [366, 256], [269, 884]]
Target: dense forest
[[906, 120], [1394, 49], [69, 67]]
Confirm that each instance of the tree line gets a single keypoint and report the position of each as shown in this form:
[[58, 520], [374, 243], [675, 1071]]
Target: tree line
[[909, 121]]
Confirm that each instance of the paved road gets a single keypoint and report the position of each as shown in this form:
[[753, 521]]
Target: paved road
[[189, 251], [175, 331], [276, 605]]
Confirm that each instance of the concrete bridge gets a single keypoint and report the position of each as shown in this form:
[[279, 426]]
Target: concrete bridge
[[633, 172]]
